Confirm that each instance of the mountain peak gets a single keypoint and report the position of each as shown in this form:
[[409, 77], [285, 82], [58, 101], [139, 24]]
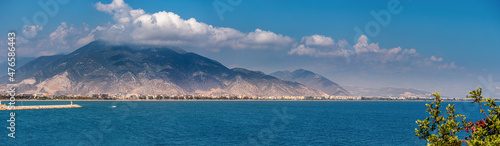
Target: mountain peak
[[102, 67]]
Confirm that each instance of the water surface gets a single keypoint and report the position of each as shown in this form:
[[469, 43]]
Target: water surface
[[223, 123]]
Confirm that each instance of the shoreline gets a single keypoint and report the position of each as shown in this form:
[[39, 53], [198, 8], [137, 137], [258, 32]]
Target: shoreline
[[246, 100]]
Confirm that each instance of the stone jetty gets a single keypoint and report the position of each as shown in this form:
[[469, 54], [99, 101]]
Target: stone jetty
[[34, 107]]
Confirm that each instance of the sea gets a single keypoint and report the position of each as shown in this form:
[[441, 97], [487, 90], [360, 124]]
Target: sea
[[223, 123]]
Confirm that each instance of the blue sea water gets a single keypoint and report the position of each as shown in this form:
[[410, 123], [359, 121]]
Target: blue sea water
[[223, 123]]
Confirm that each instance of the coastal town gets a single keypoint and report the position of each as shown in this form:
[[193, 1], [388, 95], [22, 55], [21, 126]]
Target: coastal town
[[125, 96]]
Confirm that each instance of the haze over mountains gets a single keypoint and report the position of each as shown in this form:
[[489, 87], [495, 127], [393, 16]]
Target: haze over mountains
[[387, 92], [100, 67]]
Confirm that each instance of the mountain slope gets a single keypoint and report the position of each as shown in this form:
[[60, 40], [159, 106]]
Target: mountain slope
[[100, 67], [311, 80]]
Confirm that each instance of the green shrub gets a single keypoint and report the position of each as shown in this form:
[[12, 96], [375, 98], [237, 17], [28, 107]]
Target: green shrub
[[438, 130]]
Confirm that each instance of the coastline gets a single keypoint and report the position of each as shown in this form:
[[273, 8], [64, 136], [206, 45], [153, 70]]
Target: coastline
[[248, 100]]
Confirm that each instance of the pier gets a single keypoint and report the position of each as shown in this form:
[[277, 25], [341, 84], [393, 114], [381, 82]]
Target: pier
[[34, 107]]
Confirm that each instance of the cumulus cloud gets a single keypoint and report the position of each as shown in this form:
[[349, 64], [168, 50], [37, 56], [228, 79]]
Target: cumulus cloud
[[65, 38], [70, 36], [362, 46], [31, 30], [167, 28], [61, 33], [320, 46], [436, 59], [368, 54], [136, 26], [447, 66], [317, 40], [371, 52]]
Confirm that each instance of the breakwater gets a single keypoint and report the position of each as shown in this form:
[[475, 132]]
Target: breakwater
[[34, 107]]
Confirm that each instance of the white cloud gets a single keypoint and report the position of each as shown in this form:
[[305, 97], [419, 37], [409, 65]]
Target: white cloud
[[135, 26], [318, 40], [435, 59], [362, 46], [118, 8], [447, 66], [60, 34], [31, 30], [321, 46], [65, 38], [263, 39], [303, 50], [367, 54], [168, 28], [70, 37]]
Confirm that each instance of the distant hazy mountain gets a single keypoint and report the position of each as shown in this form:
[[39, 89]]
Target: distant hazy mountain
[[100, 67], [387, 91], [311, 80]]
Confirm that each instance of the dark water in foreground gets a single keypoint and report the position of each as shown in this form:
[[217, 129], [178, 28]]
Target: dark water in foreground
[[222, 123]]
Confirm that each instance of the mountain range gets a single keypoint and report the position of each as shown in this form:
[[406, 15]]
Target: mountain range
[[101, 67]]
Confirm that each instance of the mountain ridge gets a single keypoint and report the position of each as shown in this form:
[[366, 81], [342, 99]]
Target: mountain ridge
[[100, 67]]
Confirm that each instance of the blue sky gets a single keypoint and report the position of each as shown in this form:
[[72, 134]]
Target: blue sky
[[453, 43]]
